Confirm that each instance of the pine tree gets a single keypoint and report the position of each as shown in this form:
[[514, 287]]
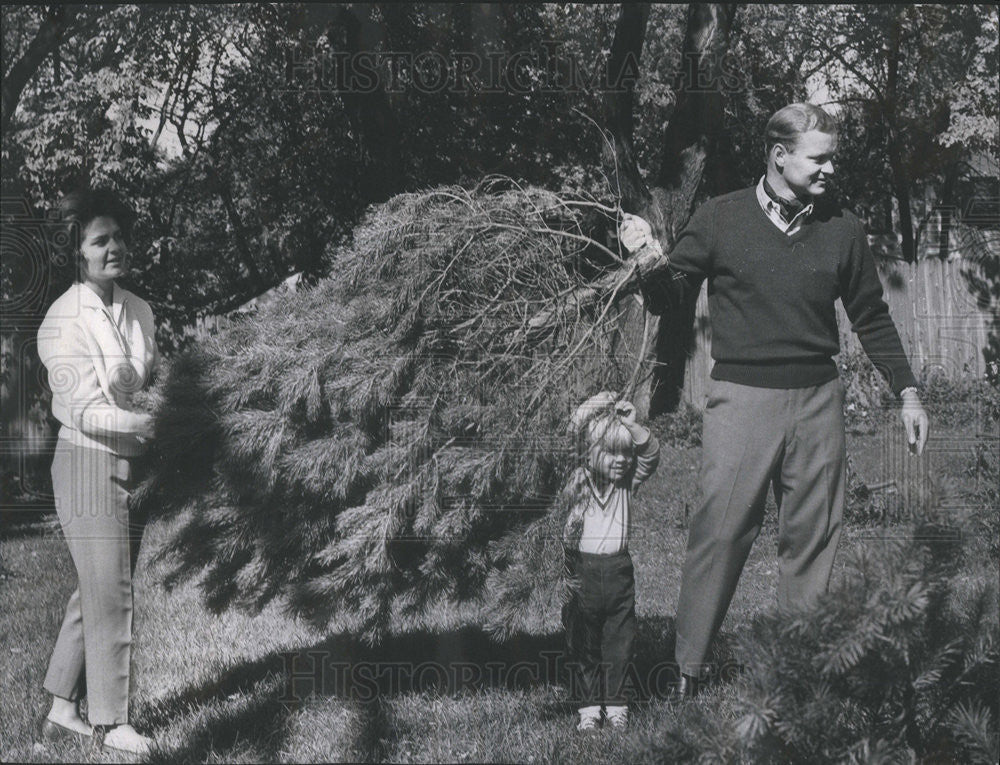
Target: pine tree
[[396, 435]]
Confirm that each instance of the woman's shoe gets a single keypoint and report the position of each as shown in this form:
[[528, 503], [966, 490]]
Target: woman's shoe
[[53, 731], [590, 720], [125, 738]]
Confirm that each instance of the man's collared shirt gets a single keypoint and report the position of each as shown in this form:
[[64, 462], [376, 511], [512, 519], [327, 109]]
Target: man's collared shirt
[[773, 211]]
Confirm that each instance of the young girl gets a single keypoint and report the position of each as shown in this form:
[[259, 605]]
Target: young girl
[[617, 455]]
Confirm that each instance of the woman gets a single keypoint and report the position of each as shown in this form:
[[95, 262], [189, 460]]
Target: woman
[[98, 346]]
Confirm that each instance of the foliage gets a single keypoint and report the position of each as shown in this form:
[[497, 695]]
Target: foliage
[[984, 469], [681, 428], [242, 168], [884, 662], [960, 402], [973, 119], [898, 662], [950, 402], [912, 85], [372, 441], [983, 279], [866, 394], [767, 64]]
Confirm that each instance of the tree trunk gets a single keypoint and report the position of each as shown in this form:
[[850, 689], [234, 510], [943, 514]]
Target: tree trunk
[[900, 177], [691, 136], [623, 68], [618, 157], [242, 245], [901, 190], [49, 37], [372, 117], [696, 125]]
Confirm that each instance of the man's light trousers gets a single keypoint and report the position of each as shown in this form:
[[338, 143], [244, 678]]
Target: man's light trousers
[[753, 438]]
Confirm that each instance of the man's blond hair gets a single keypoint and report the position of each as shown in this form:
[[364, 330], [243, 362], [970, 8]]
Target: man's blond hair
[[789, 122]]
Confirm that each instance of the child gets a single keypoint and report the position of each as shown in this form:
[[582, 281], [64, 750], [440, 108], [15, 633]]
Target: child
[[618, 454]]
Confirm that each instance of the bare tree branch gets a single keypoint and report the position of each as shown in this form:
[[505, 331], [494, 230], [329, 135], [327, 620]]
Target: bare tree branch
[[57, 20]]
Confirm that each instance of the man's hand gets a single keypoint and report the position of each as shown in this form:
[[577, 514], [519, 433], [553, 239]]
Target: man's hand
[[915, 421], [634, 233]]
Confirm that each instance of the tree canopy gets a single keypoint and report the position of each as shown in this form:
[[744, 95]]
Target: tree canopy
[[233, 130], [251, 139]]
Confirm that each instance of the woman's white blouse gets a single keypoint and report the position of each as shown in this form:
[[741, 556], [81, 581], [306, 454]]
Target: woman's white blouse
[[97, 356]]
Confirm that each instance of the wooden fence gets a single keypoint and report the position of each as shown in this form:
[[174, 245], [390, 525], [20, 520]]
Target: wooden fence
[[942, 327]]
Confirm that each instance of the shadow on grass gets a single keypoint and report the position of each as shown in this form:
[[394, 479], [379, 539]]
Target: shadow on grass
[[27, 521], [249, 705]]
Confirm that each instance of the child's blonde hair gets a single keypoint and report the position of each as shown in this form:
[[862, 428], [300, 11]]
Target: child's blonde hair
[[597, 426], [607, 432]]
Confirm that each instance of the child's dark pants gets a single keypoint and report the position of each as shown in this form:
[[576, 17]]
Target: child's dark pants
[[600, 628]]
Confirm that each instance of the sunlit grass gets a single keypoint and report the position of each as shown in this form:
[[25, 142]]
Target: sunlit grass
[[217, 688]]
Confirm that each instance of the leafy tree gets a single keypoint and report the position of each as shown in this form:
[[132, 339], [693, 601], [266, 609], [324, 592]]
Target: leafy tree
[[903, 75]]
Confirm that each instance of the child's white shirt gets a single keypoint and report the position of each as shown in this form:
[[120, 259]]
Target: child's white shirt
[[602, 518], [606, 518]]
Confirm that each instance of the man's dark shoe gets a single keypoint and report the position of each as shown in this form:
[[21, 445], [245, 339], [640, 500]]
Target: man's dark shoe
[[685, 690]]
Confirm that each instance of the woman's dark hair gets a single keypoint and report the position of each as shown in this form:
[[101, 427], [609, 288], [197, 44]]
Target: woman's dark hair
[[78, 208]]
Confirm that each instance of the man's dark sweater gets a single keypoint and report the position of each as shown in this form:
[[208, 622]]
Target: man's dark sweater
[[771, 296]]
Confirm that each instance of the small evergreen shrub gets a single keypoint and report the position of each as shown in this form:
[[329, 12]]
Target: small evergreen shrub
[[899, 662]]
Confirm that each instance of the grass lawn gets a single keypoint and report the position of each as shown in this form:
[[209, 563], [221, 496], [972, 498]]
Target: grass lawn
[[236, 688]]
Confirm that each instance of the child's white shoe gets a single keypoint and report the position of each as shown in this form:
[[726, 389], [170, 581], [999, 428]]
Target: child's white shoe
[[618, 717], [590, 719], [125, 738]]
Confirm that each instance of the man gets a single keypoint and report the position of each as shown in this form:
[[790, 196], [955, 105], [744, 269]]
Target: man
[[777, 256]]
